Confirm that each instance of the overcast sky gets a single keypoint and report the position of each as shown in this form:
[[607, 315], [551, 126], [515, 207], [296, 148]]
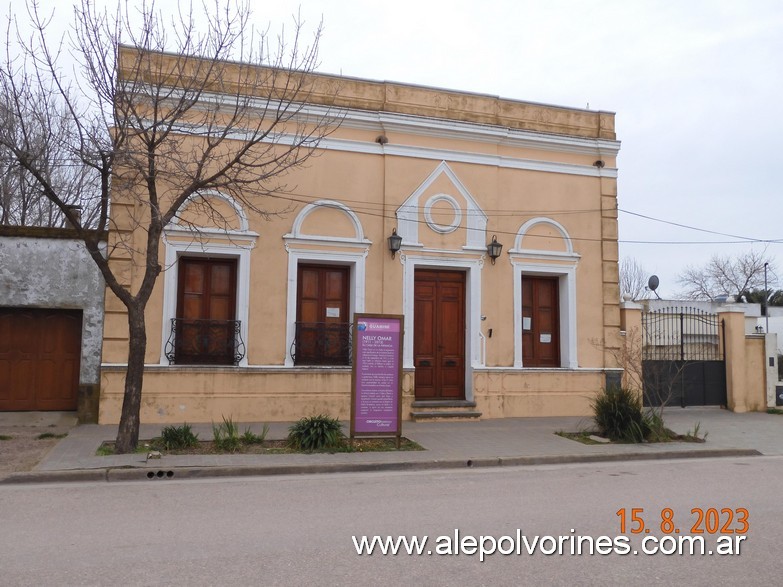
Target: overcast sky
[[696, 86]]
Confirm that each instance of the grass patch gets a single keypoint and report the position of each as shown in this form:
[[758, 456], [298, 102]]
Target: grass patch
[[583, 436], [107, 448], [318, 434], [47, 435], [270, 447], [775, 411], [5, 437], [661, 435]]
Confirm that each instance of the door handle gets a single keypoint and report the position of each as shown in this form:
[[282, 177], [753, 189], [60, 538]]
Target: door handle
[[424, 364], [451, 363]]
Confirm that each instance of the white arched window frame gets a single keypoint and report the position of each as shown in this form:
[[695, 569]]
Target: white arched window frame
[[560, 264], [328, 250], [183, 240]]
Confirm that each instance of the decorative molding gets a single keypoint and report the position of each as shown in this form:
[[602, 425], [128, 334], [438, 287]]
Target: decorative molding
[[561, 264], [236, 206], [199, 246], [408, 213], [503, 162], [472, 309], [525, 228], [400, 150], [356, 261], [545, 255], [567, 296], [443, 228], [429, 126], [297, 234], [328, 252]]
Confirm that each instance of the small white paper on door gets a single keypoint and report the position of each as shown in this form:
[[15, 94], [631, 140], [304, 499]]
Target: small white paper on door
[[545, 338], [333, 312], [527, 323]]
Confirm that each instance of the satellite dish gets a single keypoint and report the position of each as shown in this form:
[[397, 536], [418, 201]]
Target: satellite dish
[[653, 284]]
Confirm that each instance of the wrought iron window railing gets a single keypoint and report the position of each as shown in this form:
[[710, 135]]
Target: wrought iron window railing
[[322, 343], [205, 342]]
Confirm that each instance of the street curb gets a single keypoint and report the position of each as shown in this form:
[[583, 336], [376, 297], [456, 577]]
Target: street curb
[[167, 473]]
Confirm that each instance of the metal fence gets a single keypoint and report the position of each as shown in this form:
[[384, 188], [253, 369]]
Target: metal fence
[[682, 334]]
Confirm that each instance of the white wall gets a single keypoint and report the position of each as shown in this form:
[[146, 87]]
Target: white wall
[[43, 272]]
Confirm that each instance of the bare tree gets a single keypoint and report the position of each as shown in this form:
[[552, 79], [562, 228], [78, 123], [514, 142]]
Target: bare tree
[[726, 276], [22, 201], [176, 110], [633, 279]]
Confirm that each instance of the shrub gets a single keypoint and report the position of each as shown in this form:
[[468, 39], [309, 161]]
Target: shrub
[[656, 429], [226, 435], [250, 438], [316, 432], [178, 437], [619, 416]]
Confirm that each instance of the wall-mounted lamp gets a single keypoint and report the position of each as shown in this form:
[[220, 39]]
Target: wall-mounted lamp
[[395, 242], [494, 249]]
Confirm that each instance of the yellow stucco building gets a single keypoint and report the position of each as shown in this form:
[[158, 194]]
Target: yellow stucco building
[[252, 318]]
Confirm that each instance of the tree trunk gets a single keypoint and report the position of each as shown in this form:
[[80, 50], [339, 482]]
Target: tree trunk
[[128, 433]]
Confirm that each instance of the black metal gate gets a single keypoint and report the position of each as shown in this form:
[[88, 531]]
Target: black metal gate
[[683, 358]]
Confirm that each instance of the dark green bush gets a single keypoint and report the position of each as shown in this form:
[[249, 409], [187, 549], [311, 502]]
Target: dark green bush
[[619, 416], [178, 437], [315, 433]]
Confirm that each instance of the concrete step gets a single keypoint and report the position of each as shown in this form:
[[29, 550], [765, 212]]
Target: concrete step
[[38, 419], [432, 415]]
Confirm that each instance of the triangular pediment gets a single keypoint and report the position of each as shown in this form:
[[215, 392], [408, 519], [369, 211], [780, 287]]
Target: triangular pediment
[[442, 204]]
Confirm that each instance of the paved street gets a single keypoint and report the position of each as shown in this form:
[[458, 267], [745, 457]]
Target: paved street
[[296, 530]]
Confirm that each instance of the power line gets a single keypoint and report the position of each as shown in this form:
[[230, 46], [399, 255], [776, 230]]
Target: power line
[[380, 214], [751, 239]]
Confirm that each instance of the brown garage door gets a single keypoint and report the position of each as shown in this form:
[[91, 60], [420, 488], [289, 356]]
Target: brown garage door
[[40, 351]]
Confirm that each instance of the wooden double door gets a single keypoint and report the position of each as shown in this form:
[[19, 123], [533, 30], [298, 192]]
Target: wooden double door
[[323, 325], [206, 311], [439, 334], [540, 321]]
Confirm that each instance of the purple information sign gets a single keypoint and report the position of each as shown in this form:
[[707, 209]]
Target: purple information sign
[[376, 356]]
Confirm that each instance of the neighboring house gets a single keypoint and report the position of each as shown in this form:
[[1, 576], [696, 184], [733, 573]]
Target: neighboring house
[[51, 322], [253, 322]]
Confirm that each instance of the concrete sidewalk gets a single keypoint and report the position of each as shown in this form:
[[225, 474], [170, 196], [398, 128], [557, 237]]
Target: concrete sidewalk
[[509, 442]]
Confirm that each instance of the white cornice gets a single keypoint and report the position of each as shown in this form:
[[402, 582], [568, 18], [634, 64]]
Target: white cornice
[[427, 126], [523, 254], [352, 146], [485, 133], [330, 143]]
